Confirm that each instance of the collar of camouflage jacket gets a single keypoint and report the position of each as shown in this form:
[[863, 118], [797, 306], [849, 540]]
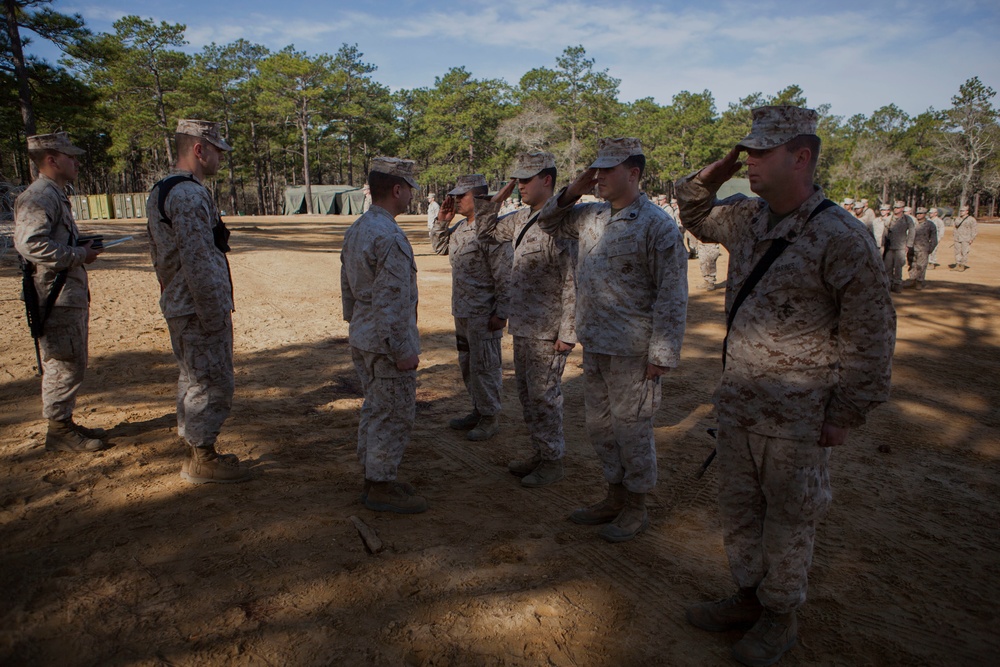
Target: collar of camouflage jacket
[[630, 212], [52, 184], [185, 172], [790, 227]]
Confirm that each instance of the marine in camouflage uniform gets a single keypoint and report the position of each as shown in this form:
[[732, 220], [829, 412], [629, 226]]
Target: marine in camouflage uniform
[[867, 214], [631, 303], [900, 239], [925, 240], [880, 228], [708, 258], [45, 235], [432, 210], [809, 354], [479, 303], [542, 312], [378, 278], [196, 299], [964, 233], [939, 226]]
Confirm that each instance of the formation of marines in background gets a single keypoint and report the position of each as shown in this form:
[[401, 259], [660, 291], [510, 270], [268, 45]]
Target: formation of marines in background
[[807, 354], [904, 240]]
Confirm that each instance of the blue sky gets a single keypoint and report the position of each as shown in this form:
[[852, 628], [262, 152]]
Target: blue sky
[[857, 56]]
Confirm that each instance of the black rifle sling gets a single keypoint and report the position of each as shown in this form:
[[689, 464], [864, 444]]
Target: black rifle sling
[[773, 252], [220, 233], [37, 313], [525, 229]]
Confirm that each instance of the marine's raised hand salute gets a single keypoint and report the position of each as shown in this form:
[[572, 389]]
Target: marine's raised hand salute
[[583, 184], [505, 192], [722, 170], [447, 211]]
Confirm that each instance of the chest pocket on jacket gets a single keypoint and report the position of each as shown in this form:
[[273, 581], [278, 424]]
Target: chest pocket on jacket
[[531, 248], [621, 248]]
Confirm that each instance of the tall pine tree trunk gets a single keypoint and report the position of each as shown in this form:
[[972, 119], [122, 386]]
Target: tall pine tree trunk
[[305, 168], [161, 109], [350, 157], [257, 172], [21, 74]]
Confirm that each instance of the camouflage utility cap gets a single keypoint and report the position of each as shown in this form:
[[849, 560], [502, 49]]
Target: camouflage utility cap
[[922, 210], [466, 183], [396, 167], [858, 205], [612, 152], [884, 207], [203, 129], [775, 126], [57, 141], [848, 201], [527, 165], [898, 204]]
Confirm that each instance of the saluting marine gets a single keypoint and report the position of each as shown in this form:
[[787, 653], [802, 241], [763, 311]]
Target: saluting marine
[[631, 305], [480, 273], [807, 355], [542, 312]]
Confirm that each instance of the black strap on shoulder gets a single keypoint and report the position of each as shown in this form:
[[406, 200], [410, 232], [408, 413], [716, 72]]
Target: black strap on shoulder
[[773, 252], [524, 230], [220, 233], [165, 186]]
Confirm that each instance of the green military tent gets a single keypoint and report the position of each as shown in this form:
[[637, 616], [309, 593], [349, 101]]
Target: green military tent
[[326, 199], [350, 202]]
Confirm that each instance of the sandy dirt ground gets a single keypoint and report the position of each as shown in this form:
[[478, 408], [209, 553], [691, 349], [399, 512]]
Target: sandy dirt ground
[[111, 559]]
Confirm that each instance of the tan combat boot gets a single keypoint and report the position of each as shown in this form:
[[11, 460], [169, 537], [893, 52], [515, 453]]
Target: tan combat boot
[[632, 520], [522, 467], [467, 422], [488, 426], [605, 511], [545, 473], [66, 436], [737, 612], [205, 465], [391, 497], [767, 640]]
